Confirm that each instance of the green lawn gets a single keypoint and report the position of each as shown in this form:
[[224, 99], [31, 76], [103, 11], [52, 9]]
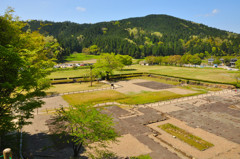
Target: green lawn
[[73, 87], [93, 97], [186, 137], [114, 96], [210, 74], [68, 73], [148, 97], [201, 88], [81, 57]]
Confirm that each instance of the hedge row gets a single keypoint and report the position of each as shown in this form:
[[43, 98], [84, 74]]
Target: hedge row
[[72, 78], [71, 81], [112, 76], [167, 77]]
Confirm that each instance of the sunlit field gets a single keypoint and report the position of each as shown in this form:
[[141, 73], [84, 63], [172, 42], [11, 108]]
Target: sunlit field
[[209, 74]]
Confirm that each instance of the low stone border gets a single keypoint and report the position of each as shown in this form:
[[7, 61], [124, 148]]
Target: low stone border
[[116, 86]]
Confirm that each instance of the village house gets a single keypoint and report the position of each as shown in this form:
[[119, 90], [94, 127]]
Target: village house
[[210, 61], [233, 61]]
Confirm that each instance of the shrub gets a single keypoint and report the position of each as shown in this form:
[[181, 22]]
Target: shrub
[[61, 81]]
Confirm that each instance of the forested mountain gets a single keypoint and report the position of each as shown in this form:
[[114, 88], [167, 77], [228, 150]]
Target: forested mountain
[[157, 35]]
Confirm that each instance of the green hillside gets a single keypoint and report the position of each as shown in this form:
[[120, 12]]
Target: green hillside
[[81, 57], [158, 35]]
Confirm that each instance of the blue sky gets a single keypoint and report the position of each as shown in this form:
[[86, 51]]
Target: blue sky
[[222, 14]]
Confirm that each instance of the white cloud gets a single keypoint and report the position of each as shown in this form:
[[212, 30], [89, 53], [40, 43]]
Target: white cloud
[[81, 9], [214, 12]]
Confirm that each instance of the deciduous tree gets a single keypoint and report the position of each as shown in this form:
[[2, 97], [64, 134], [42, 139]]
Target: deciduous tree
[[106, 64], [195, 60], [93, 49], [217, 61], [151, 60], [126, 60], [24, 61], [83, 125]]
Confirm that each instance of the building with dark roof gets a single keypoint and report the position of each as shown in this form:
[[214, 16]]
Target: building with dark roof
[[233, 61], [210, 61]]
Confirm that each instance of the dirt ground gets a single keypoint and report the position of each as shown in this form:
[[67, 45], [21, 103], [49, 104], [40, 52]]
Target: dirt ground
[[38, 142], [210, 117], [139, 85], [221, 145], [154, 85], [136, 126], [86, 61], [128, 145], [50, 105]]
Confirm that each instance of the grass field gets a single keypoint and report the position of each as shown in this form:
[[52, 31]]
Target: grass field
[[201, 88], [81, 57], [210, 74], [73, 87], [148, 97], [68, 73], [93, 97], [114, 96], [186, 137], [161, 80]]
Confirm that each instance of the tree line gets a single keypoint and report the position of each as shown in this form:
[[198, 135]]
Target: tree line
[[178, 60], [157, 35]]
